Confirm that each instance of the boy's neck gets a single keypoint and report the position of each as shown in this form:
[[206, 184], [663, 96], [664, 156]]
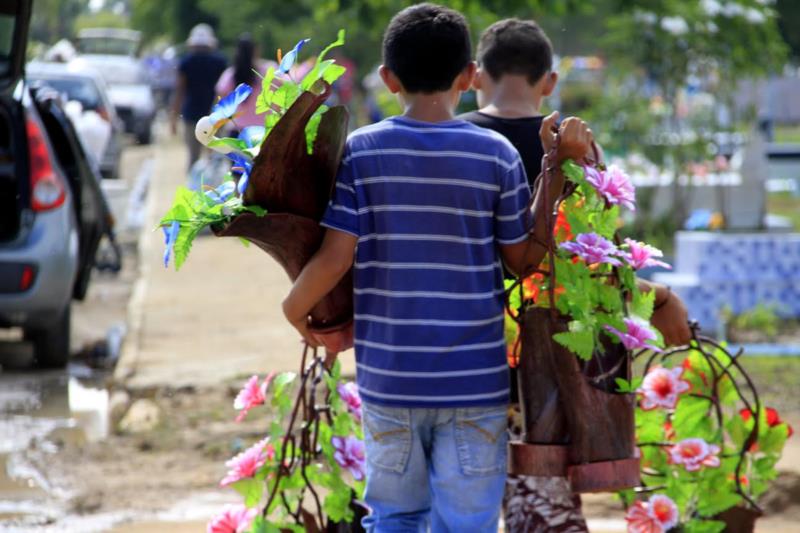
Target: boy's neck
[[433, 107], [514, 98]]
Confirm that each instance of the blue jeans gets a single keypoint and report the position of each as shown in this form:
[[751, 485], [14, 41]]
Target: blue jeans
[[441, 468]]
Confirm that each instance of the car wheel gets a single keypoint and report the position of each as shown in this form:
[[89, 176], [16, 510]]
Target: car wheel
[[145, 136], [51, 346]]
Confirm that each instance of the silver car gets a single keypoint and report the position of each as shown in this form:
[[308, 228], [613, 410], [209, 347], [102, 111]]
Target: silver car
[[80, 82], [52, 212], [112, 52]]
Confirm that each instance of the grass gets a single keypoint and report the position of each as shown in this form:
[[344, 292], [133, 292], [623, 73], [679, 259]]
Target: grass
[[785, 205], [787, 134], [777, 380]]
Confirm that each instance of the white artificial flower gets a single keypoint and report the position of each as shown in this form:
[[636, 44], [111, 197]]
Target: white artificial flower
[[674, 25], [646, 17], [732, 9], [712, 8], [755, 16]]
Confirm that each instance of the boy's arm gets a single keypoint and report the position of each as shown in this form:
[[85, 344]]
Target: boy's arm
[[575, 143], [318, 278], [670, 316]]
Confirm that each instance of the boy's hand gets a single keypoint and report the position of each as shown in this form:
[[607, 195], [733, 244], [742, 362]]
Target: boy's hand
[[576, 137], [671, 319], [300, 323]]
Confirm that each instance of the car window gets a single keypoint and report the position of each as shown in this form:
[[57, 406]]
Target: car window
[[107, 45], [81, 89]]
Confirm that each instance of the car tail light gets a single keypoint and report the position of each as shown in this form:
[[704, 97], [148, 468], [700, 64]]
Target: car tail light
[[47, 189], [27, 277]]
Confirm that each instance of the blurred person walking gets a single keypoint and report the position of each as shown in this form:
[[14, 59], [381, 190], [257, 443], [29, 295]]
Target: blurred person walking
[[245, 65], [198, 72]]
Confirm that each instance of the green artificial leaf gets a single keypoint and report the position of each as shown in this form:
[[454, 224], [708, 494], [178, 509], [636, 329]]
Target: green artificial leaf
[[270, 119], [244, 242], [703, 526], [337, 504], [764, 467], [264, 102], [286, 95], [774, 439], [280, 383], [251, 489], [579, 339], [183, 243], [182, 208], [609, 298], [650, 425], [713, 502], [332, 73], [642, 304], [737, 431], [234, 144], [321, 66], [604, 222], [261, 525], [572, 171], [312, 127], [625, 386], [255, 209], [691, 418]]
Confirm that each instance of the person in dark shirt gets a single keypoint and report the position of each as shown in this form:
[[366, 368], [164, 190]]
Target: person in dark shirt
[[515, 61], [198, 72]]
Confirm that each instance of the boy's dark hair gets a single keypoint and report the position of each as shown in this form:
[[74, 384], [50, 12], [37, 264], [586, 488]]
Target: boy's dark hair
[[514, 46], [427, 46]]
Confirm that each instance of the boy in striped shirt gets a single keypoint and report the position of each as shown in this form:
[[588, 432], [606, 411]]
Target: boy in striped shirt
[[425, 209]]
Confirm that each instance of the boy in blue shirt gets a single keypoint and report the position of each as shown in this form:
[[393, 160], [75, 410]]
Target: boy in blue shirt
[[424, 209]]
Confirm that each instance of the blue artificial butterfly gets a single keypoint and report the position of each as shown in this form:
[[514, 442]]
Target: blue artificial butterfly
[[225, 110], [170, 236], [252, 135], [287, 62], [221, 194], [243, 166]]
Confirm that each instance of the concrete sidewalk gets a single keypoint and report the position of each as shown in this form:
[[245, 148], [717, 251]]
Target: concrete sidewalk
[[218, 317]]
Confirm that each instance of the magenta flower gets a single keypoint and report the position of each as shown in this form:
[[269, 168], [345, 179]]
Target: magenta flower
[[613, 185], [232, 519], [640, 255], [593, 248], [350, 454], [348, 392], [694, 454], [657, 515], [252, 394], [636, 335], [246, 464], [661, 388]]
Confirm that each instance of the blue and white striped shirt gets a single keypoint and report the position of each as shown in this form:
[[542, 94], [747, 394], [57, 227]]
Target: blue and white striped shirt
[[429, 203]]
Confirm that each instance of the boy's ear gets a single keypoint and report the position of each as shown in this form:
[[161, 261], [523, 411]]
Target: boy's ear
[[551, 79], [477, 81], [465, 80], [389, 78]]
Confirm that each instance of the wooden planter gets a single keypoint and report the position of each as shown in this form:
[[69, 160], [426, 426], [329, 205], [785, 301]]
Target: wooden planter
[[574, 424], [739, 519], [295, 187]]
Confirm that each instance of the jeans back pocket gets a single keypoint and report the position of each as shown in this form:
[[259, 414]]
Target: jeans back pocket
[[481, 440], [387, 436]]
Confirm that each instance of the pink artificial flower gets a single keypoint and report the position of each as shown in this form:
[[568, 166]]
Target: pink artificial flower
[[232, 519], [593, 249], [694, 454], [246, 464], [613, 185], [252, 394], [348, 392], [350, 454], [636, 335], [661, 388], [641, 255], [657, 515]]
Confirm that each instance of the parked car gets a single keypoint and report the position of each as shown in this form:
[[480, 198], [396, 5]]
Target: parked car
[[79, 82], [52, 210], [112, 51]]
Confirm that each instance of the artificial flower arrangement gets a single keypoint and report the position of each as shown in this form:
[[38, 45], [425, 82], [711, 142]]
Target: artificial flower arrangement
[[307, 471], [707, 446]]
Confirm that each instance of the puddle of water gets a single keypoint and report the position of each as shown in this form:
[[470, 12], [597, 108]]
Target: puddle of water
[[39, 412]]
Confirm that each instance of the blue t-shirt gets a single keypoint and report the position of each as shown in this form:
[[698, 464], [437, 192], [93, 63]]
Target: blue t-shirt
[[429, 203], [201, 71]]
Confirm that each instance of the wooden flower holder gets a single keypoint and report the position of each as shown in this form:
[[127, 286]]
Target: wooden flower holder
[[574, 423], [295, 187]]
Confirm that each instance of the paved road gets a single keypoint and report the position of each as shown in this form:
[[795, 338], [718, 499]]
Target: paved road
[[218, 317]]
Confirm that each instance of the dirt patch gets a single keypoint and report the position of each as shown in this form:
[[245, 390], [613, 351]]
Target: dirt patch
[[149, 472]]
